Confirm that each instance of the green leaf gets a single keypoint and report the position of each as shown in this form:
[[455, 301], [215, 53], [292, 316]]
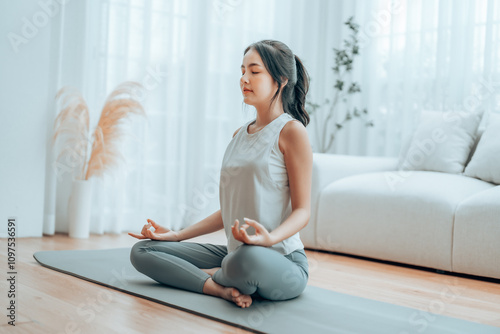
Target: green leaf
[[343, 58], [354, 88], [339, 85]]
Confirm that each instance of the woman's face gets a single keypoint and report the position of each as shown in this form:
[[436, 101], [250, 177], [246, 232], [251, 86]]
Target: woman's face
[[257, 85]]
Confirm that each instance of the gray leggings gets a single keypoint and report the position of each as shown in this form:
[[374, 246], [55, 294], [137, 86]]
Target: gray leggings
[[253, 270]]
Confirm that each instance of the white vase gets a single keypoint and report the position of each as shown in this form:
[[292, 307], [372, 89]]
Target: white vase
[[79, 209]]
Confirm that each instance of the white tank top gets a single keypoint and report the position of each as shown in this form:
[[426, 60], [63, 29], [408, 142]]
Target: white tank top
[[254, 183]]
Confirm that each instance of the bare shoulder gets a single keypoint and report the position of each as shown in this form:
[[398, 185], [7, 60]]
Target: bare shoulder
[[294, 134], [235, 132]]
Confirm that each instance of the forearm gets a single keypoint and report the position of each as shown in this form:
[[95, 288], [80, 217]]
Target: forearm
[[210, 224], [297, 220]]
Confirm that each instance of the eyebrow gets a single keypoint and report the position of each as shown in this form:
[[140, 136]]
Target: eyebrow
[[252, 64]]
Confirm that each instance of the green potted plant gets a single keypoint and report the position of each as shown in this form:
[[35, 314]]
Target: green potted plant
[[327, 122]]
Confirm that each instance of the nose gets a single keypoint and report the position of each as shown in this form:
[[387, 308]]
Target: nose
[[244, 78]]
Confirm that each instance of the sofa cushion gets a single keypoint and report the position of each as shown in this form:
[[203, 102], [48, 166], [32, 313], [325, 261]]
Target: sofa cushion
[[442, 142], [363, 215], [474, 147], [485, 163], [476, 234]]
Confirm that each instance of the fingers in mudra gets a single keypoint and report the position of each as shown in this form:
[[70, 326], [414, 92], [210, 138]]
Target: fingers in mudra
[[147, 233], [261, 237], [241, 234], [158, 228], [143, 234]]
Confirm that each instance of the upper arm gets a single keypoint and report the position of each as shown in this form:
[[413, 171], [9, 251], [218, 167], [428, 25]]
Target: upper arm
[[235, 132], [298, 155]]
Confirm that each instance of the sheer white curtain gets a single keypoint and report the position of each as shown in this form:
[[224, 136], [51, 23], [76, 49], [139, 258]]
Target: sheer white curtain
[[414, 55], [421, 55], [187, 54]]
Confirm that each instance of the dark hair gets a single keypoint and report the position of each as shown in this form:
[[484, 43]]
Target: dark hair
[[282, 64]]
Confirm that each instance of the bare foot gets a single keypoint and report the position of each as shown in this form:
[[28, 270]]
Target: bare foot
[[211, 271], [240, 299], [228, 293]]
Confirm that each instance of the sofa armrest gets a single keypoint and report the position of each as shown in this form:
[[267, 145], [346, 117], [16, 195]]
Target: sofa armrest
[[328, 168]]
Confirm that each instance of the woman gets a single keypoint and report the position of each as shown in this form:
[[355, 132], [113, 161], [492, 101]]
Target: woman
[[265, 176]]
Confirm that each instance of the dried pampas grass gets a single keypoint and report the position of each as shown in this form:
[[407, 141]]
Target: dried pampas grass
[[73, 120]]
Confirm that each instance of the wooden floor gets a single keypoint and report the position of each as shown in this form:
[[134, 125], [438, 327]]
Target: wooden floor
[[53, 302]]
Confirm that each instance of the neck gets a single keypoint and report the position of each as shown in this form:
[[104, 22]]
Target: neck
[[266, 115]]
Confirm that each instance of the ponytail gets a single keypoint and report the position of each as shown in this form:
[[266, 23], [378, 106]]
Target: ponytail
[[300, 90]]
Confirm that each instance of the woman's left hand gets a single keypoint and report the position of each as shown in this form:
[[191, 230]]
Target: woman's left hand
[[262, 237]]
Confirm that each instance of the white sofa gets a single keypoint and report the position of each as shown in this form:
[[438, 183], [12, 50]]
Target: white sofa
[[364, 206]]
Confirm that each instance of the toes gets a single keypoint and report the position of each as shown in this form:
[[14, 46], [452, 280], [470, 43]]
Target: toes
[[240, 299], [235, 293], [243, 301]]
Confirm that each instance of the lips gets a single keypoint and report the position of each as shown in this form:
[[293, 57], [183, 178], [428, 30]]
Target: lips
[[245, 90]]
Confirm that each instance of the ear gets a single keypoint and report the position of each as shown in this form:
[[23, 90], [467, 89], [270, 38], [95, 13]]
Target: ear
[[283, 84]]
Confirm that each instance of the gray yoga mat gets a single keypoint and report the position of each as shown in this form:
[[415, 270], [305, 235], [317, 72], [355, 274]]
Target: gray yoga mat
[[316, 310]]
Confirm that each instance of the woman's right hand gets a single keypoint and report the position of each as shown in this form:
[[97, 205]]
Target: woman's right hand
[[160, 233]]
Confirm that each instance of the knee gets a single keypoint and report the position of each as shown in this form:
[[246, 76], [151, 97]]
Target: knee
[[137, 250], [291, 285], [245, 260], [252, 254]]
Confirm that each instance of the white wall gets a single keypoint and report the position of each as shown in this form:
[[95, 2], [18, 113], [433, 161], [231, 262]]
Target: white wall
[[25, 101]]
